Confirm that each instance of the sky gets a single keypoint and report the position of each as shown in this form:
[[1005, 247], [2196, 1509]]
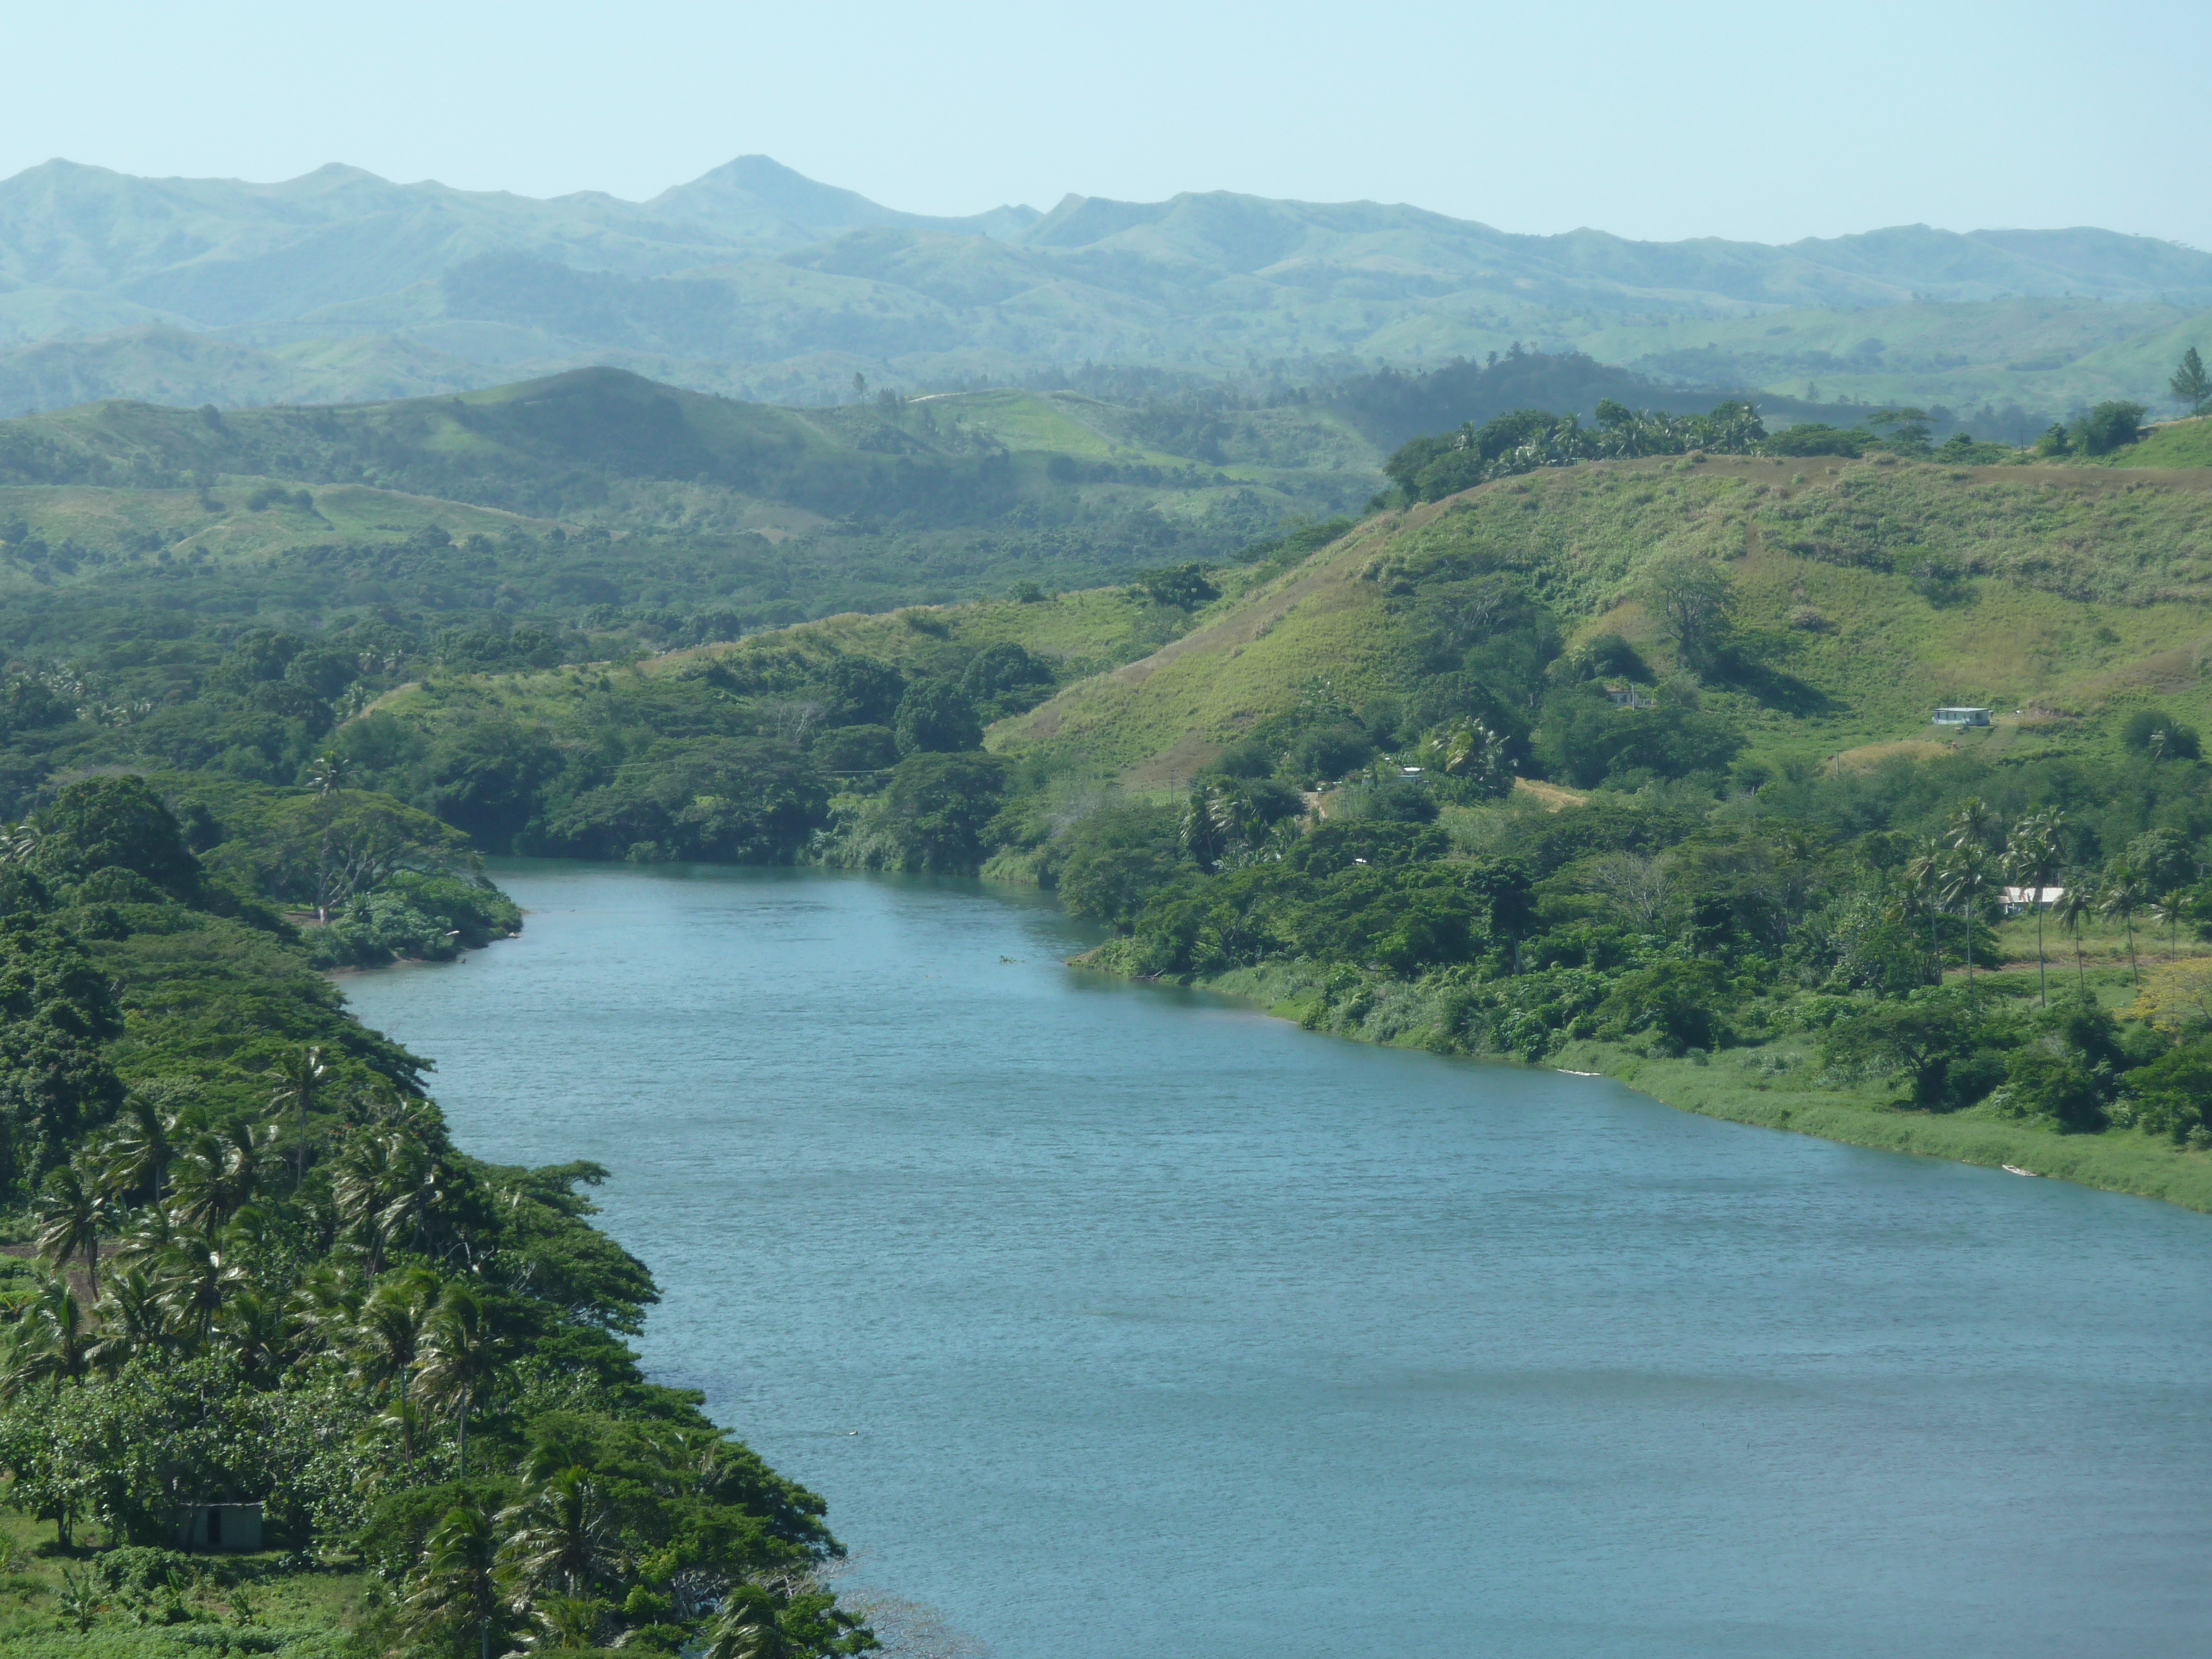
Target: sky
[[1761, 123]]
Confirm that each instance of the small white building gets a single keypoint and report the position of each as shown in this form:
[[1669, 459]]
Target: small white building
[[1962, 717], [2018, 900], [1629, 697]]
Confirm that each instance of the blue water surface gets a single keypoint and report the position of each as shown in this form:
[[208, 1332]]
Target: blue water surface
[[1116, 1322]]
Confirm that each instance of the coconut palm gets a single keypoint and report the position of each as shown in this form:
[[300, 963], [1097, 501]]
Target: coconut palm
[[563, 1533], [2169, 909], [458, 1355], [325, 1306], [299, 1079], [194, 1275], [251, 1326], [1972, 824], [137, 1153], [2031, 855], [2124, 893], [71, 1213], [1966, 880], [217, 1174], [387, 1339], [565, 1624], [19, 842], [458, 1582], [751, 1627], [52, 1338], [2072, 912], [131, 1322], [1924, 875]]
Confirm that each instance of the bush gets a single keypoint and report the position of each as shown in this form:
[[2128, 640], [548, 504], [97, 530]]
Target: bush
[[2109, 426]]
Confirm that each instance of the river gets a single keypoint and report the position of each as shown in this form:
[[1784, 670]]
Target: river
[[1116, 1322]]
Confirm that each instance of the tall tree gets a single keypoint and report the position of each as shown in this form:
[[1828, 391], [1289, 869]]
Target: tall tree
[[459, 1351], [298, 1077], [2032, 861], [71, 1213], [2072, 912], [2124, 894], [2191, 387], [458, 1582]]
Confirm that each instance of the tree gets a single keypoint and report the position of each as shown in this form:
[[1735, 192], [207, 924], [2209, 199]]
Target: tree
[[139, 1150], [386, 1339], [1966, 881], [936, 718], [2031, 860], [458, 1581], [1904, 430], [1919, 1038], [565, 1533], [2169, 908], [2123, 893], [1923, 874], [2072, 911], [1696, 603], [71, 1213], [460, 1354], [2191, 387], [298, 1077]]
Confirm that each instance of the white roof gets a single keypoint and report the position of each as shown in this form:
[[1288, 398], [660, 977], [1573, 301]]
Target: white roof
[[2033, 895]]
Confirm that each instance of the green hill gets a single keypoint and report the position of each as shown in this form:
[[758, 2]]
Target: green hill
[[1874, 592]]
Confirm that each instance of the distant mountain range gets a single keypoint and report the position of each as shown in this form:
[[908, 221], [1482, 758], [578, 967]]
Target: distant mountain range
[[754, 280]]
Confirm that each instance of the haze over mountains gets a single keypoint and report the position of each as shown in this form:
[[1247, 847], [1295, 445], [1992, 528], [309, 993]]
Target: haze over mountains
[[756, 281]]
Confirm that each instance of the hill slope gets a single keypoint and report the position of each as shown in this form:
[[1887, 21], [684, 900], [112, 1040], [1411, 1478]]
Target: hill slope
[[1874, 592]]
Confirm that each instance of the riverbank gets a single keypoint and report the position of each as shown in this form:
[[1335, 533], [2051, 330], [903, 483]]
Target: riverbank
[[1774, 1084]]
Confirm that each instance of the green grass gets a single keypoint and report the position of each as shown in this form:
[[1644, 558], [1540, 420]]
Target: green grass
[[303, 1615], [2171, 444]]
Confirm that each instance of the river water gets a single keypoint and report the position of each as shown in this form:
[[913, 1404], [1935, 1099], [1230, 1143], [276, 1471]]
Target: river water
[[1118, 1322]]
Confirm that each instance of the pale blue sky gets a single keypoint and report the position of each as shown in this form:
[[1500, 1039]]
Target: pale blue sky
[[1765, 122]]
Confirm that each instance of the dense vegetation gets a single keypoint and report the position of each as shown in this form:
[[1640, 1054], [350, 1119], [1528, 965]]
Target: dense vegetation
[[260, 1271]]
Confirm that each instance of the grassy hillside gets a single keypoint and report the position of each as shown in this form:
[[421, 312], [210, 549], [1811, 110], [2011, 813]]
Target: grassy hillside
[[2174, 443], [1875, 591]]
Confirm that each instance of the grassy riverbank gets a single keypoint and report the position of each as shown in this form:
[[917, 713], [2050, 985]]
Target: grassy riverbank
[[1775, 1084]]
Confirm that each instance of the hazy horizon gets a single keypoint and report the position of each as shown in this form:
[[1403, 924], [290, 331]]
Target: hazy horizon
[[1656, 128]]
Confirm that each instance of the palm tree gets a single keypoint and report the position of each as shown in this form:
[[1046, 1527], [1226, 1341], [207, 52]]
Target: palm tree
[[131, 1318], [2169, 908], [52, 1338], [2074, 909], [387, 1339], [457, 1357], [2124, 894], [1972, 824], [252, 1326], [138, 1151], [298, 1077], [563, 1533], [2032, 861], [459, 1580], [565, 1624], [1966, 880], [1924, 873], [194, 1275], [217, 1174], [324, 1306], [751, 1627], [71, 1213]]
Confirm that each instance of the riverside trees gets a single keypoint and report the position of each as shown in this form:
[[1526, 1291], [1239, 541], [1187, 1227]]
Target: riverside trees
[[370, 1336]]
